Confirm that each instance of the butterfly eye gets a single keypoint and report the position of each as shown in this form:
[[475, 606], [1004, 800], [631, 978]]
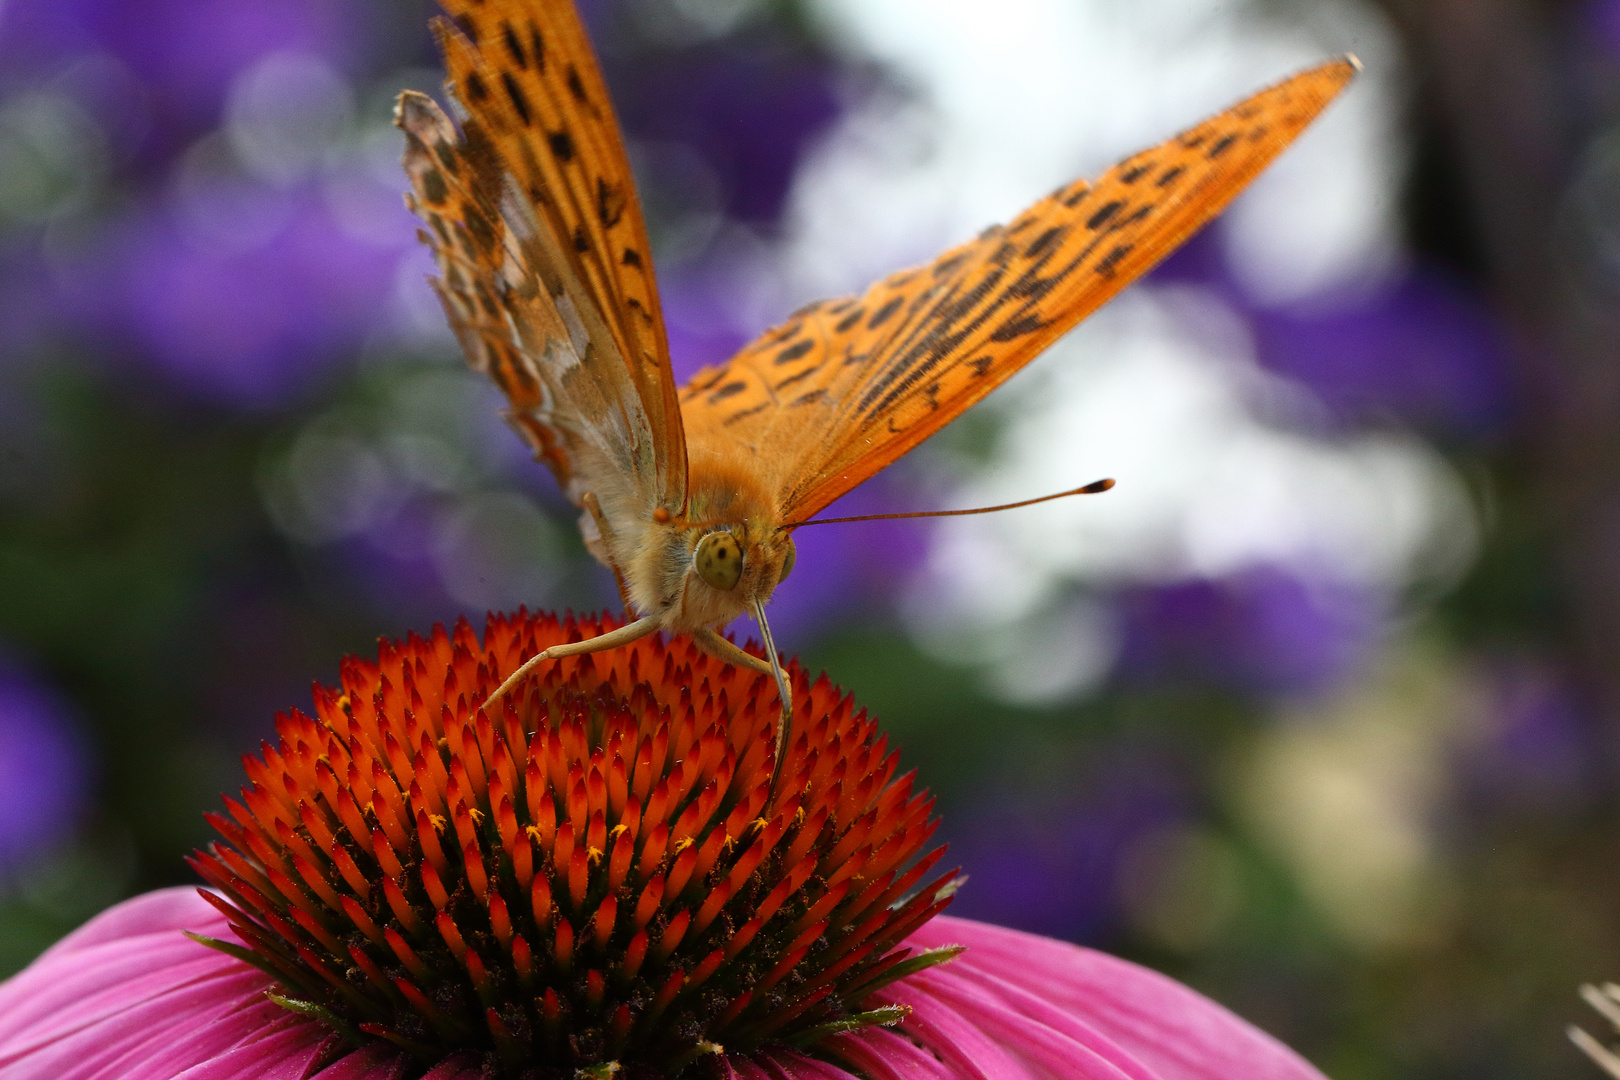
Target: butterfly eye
[[719, 560], [787, 561]]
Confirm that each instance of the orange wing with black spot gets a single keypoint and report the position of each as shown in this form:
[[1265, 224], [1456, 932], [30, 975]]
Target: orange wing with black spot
[[544, 265], [846, 387]]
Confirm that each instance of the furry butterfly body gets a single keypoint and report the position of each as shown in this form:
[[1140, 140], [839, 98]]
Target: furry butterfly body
[[690, 496]]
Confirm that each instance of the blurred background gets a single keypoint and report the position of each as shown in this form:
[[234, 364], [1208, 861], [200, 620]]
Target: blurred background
[[1317, 711]]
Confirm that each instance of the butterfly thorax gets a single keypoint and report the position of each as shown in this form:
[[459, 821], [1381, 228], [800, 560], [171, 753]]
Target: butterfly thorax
[[722, 496]]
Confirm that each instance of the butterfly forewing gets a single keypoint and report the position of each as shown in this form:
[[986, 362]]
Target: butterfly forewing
[[538, 107], [846, 387]]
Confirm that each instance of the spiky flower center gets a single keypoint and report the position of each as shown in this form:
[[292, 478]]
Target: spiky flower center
[[609, 869]]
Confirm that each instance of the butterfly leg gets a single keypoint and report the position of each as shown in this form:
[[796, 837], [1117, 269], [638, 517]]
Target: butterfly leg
[[717, 646], [624, 635], [594, 508]]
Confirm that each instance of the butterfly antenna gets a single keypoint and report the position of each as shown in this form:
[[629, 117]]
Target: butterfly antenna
[[1096, 487], [784, 726]]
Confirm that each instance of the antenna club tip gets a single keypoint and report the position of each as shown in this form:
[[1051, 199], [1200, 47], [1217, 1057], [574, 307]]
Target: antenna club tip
[[1098, 487]]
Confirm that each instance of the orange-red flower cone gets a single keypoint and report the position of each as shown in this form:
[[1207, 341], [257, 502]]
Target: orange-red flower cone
[[608, 870]]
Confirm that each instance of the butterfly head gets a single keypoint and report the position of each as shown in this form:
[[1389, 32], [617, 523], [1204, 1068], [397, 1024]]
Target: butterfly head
[[710, 573], [727, 567], [720, 559]]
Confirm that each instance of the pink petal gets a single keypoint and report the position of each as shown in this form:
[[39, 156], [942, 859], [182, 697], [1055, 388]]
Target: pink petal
[[128, 997], [1113, 1006]]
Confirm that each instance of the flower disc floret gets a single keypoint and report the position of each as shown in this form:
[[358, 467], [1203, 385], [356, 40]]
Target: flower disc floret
[[608, 869]]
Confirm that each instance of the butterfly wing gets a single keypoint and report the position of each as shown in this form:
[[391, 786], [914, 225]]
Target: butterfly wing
[[845, 387], [543, 257]]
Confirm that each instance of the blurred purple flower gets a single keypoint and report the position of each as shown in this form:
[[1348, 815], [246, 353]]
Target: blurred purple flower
[[183, 54], [1263, 630], [25, 303], [44, 771], [700, 327], [1600, 21], [1199, 261], [1423, 349], [748, 108], [240, 296], [1536, 748], [1048, 861]]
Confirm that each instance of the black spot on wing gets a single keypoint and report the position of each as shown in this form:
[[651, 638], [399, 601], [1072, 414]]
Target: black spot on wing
[[476, 90], [882, 314], [631, 257], [576, 86], [798, 376], [731, 389], [1016, 327], [783, 333], [520, 100], [537, 46], [980, 365], [1106, 265], [610, 203], [1044, 243], [1104, 212], [478, 227], [447, 157], [1171, 175], [514, 47], [1135, 172], [843, 326], [795, 351], [562, 145], [1032, 286], [699, 387], [807, 399], [582, 243], [468, 28], [434, 189], [1220, 146], [745, 413]]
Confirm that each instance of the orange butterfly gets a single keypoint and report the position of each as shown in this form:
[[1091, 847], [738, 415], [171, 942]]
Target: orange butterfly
[[690, 497]]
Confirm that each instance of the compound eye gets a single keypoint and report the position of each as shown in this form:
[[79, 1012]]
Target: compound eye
[[787, 561], [718, 560]]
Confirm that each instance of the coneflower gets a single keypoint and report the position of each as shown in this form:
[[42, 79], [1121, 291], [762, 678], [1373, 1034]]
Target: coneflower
[[610, 875]]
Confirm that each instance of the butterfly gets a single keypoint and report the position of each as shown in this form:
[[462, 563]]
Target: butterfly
[[691, 495]]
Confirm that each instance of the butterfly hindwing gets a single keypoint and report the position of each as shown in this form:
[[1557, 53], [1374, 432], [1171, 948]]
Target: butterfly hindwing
[[536, 102], [845, 387]]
